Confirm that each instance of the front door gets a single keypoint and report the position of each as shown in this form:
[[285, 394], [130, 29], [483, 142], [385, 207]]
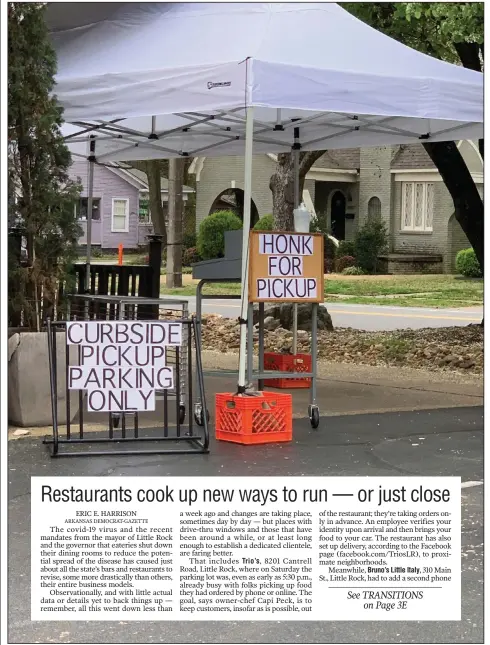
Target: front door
[[338, 215]]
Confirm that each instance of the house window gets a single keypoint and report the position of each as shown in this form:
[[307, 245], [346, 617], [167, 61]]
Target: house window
[[120, 215], [417, 206], [81, 209], [374, 208]]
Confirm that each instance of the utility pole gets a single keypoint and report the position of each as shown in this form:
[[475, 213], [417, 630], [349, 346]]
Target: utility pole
[[175, 222]]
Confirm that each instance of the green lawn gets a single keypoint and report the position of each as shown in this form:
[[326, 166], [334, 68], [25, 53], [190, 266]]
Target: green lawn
[[442, 291], [447, 291], [111, 258]]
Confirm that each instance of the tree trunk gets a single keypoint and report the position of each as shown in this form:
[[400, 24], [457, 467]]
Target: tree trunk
[[282, 186], [152, 169], [468, 204], [175, 221]]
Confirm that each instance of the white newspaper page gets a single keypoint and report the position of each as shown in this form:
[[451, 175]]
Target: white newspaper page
[[246, 548]]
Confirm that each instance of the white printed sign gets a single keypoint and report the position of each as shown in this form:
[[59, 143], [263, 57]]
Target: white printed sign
[[284, 244], [122, 363], [286, 267], [282, 288]]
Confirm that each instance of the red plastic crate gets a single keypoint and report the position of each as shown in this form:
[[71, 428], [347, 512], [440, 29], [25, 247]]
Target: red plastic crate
[[249, 420], [287, 363]]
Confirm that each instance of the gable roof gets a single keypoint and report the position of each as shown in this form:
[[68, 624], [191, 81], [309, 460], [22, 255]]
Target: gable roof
[[139, 179], [347, 159], [411, 156]]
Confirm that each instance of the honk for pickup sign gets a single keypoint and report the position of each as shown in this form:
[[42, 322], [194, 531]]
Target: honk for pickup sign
[[286, 267], [122, 364]]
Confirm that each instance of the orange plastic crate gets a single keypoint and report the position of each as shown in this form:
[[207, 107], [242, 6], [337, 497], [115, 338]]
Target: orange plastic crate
[[249, 420], [287, 363]]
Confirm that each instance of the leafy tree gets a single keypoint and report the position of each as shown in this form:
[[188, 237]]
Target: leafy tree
[[451, 31], [41, 195], [173, 234], [439, 29]]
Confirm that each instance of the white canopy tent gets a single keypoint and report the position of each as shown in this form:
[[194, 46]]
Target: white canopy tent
[[160, 80]]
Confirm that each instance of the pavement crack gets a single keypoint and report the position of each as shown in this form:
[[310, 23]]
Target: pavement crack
[[386, 464], [431, 434]]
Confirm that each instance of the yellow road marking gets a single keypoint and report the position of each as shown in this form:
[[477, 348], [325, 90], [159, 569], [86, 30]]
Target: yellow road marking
[[375, 313], [382, 314]]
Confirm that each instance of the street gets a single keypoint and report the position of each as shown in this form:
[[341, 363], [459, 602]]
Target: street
[[365, 317]]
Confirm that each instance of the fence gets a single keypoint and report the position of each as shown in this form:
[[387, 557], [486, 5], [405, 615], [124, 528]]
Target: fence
[[104, 279]]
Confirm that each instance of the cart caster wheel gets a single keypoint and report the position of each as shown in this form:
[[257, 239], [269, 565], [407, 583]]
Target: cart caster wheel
[[199, 418], [115, 421], [314, 418], [181, 413]]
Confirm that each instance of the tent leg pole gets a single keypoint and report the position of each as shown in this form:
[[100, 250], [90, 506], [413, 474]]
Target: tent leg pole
[[296, 149], [90, 195], [242, 365]]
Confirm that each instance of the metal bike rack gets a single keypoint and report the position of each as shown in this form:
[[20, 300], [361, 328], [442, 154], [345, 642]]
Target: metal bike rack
[[172, 416]]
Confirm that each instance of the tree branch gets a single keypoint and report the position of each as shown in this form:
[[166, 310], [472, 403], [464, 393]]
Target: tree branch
[[468, 204], [307, 159], [469, 54]]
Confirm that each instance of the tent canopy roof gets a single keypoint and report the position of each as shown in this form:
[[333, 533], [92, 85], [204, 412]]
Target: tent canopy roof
[[183, 73]]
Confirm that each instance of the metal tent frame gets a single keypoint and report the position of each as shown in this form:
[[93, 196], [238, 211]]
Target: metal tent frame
[[248, 91], [227, 128]]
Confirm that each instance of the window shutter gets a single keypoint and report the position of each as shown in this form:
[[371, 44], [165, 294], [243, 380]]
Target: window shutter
[[418, 222], [429, 213], [407, 206]]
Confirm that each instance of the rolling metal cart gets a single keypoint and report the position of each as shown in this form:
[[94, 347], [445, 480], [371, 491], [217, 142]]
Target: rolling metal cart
[[211, 272]]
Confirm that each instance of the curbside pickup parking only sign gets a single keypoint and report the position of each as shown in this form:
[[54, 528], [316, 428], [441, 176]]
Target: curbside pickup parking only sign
[[286, 267]]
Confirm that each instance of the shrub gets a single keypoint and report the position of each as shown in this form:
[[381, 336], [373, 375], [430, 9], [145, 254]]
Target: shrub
[[353, 271], [328, 265], [211, 236], [265, 223], [190, 256], [346, 248], [329, 249], [344, 262], [371, 240], [467, 264], [189, 241], [318, 224]]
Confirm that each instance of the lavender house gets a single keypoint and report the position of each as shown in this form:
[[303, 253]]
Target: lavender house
[[120, 213]]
